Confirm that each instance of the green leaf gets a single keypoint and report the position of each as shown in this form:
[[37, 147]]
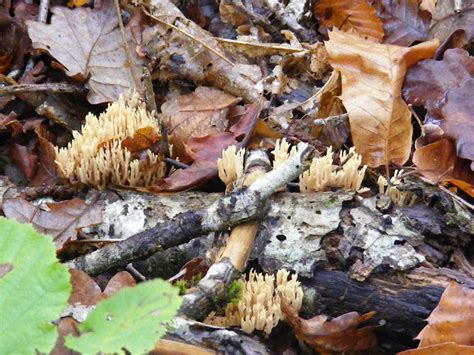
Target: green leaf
[[131, 319], [34, 289]]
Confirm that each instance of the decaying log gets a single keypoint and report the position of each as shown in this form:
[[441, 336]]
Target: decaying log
[[240, 206], [402, 306]]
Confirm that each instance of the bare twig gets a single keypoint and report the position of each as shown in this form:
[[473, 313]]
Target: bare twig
[[126, 47], [48, 87], [43, 11]]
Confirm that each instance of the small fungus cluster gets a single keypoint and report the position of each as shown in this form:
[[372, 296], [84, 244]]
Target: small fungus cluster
[[231, 166], [96, 156], [400, 198], [259, 308]]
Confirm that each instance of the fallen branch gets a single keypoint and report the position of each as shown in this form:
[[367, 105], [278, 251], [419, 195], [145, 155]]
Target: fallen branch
[[49, 87], [240, 206]]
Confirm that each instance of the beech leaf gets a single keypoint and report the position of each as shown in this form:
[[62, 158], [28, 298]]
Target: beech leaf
[[87, 42], [372, 78], [350, 16]]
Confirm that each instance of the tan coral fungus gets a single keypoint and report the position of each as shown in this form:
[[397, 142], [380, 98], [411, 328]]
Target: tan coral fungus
[[259, 307], [400, 198], [96, 156], [231, 166], [322, 175]]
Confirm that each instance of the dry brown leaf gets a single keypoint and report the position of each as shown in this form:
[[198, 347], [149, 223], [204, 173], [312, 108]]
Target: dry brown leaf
[[450, 325], [87, 42], [428, 5], [197, 114], [404, 22], [446, 20], [120, 280], [84, 289], [62, 220], [438, 162], [351, 16], [372, 77], [338, 335], [452, 320]]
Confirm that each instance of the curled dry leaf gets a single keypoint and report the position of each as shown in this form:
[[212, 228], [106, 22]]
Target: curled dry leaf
[[450, 325], [338, 335], [404, 22], [61, 220], [446, 20], [205, 151], [87, 42], [350, 16], [197, 114], [372, 77]]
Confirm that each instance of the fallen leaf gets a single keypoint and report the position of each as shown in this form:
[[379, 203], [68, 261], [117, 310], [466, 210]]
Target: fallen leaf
[[25, 158], [47, 174], [205, 151], [350, 16], [428, 82], [438, 162], [449, 348], [452, 321], [84, 289], [87, 42], [404, 22], [61, 220], [66, 326], [120, 280], [372, 77], [196, 114], [446, 20], [458, 122], [196, 267], [428, 5], [15, 43], [337, 335]]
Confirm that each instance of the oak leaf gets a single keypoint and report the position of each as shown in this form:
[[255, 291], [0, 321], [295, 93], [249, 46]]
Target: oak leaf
[[428, 82], [196, 114], [447, 20], [404, 22], [337, 335], [372, 78], [350, 15], [88, 43]]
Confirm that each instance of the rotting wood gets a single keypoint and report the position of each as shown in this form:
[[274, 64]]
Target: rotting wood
[[240, 206]]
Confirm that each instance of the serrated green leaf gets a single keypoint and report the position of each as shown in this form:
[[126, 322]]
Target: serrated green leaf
[[34, 289], [132, 319]]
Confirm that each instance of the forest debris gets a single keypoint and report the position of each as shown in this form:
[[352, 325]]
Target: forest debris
[[372, 78], [197, 114], [259, 306], [179, 51], [205, 151], [294, 228], [446, 20], [100, 57], [450, 324], [390, 243], [321, 175], [400, 198], [351, 16], [61, 220], [240, 206], [337, 335], [105, 152]]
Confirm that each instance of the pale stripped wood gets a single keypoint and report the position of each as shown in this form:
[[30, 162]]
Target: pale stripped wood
[[372, 78]]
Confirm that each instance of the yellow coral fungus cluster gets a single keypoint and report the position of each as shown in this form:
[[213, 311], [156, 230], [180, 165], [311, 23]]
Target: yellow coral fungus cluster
[[322, 176], [96, 156], [400, 198], [259, 307], [231, 166]]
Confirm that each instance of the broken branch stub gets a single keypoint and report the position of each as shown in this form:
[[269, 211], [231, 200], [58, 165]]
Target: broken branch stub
[[240, 206]]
